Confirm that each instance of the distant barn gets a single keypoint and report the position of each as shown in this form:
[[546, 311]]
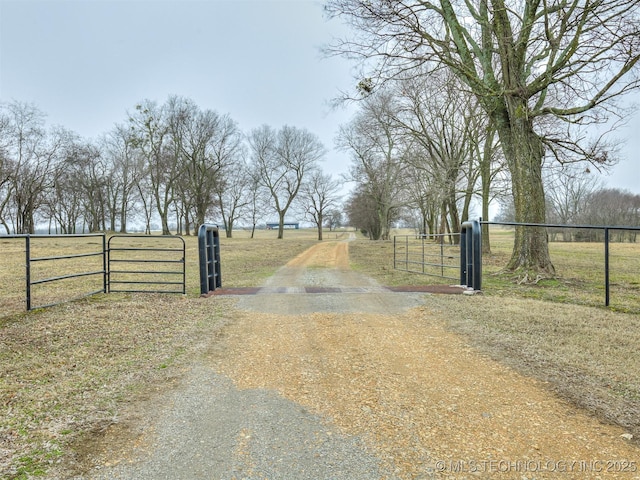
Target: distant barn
[[289, 225]]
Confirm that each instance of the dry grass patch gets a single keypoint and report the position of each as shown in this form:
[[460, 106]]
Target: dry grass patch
[[65, 371], [245, 262], [375, 259], [580, 273], [579, 267]]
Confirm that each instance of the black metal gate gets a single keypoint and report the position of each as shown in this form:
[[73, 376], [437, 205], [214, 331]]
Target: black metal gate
[[146, 264], [55, 268]]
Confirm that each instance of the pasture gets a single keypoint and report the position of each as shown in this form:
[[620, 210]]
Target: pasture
[[67, 372]]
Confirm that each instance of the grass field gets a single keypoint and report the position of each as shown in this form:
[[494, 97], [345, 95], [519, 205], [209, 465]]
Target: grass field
[[66, 372], [246, 262]]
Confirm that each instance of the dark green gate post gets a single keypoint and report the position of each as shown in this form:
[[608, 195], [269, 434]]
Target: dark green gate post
[[209, 252], [471, 255]]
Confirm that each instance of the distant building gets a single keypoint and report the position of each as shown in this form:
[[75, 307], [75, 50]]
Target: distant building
[[287, 225]]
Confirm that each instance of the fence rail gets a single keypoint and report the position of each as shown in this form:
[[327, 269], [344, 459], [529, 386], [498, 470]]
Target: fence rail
[[584, 272], [157, 275], [57, 268]]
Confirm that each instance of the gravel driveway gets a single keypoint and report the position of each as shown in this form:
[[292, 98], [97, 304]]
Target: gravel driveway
[[322, 374]]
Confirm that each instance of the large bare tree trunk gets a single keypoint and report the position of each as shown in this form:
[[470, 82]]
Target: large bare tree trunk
[[524, 151], [320, 220]]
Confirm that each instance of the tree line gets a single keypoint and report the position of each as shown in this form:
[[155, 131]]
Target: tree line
[[174, 163], [421, 153]]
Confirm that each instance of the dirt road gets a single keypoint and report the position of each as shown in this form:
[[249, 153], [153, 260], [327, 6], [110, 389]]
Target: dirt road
[[324, 374]]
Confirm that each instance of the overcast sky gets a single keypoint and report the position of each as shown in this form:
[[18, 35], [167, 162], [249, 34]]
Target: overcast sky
[[84, 63]]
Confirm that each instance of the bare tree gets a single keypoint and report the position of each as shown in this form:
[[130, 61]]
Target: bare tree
[[568, 190], [535, 67], [205, 142], [6, 165], [126, 167], [611, 206], [423, 197], [258, 198], [144, 189], [283, 159], [443, 125], [30, 156], [378, 150], [319, 194], [334, 218], [234, 193], [151, 131], [82, 177], [362, 210]]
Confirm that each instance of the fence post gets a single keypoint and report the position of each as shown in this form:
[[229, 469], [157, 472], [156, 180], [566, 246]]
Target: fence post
[[471, 255], [463, 254], [104, 262], [27, 250], [209, 253], [406, 252], [394, 252], [606, 267]]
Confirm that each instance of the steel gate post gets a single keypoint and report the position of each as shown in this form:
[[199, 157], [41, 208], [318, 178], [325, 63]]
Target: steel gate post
[[209, 257], [471, 254]]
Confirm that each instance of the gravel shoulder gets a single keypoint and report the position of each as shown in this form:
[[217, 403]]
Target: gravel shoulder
[[354, 382]]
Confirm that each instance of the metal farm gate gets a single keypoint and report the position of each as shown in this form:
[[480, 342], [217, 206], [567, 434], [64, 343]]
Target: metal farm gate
[[434, 255], [454, 256], [146, 264], [66, 267], [82, 258]]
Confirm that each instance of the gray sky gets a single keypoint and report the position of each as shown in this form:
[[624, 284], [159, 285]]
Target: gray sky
[[85, 63]]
